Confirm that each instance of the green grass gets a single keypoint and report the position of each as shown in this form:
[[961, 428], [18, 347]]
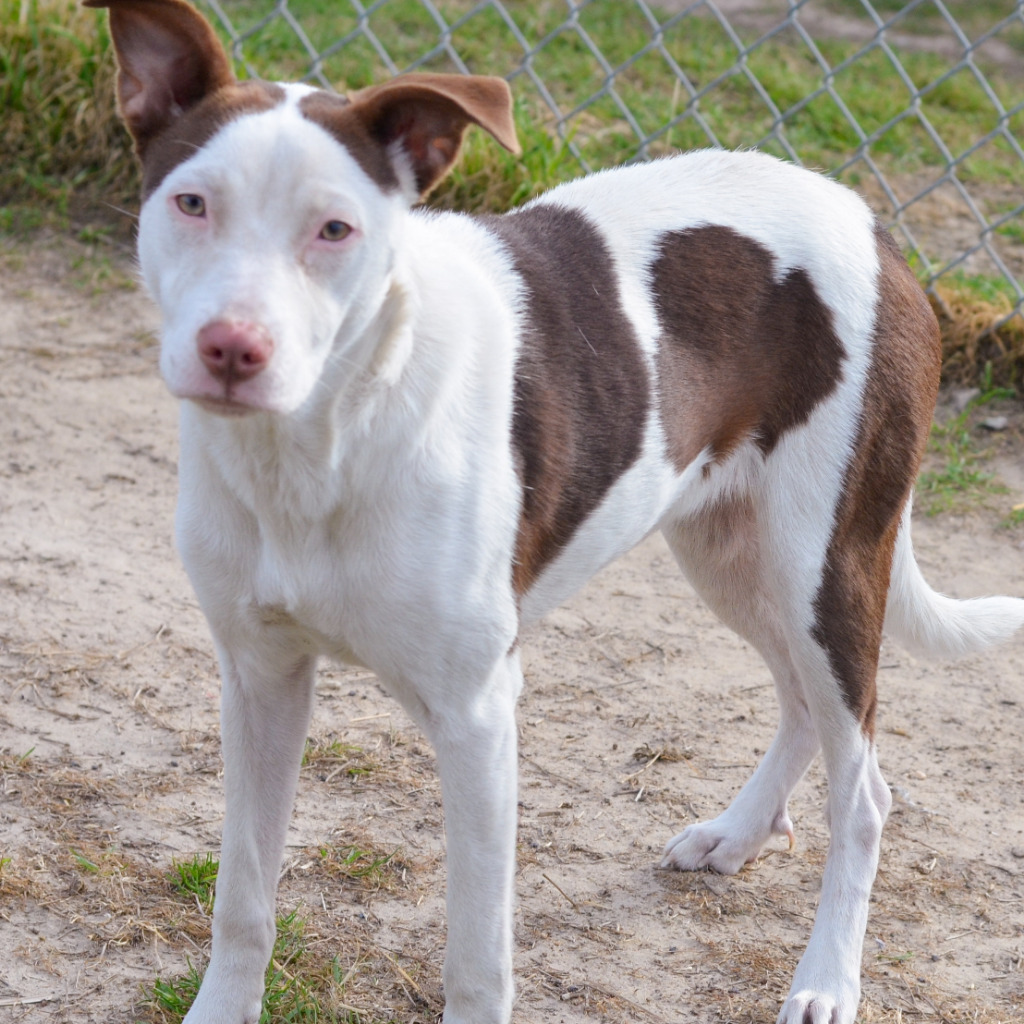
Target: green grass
[[63, 154], [61, 137], [298, 989], [961, 480], [356, 864], [1015, 519], [194, 879], [871, 87], [975, 17], [331, 751], [83, 862], [56, 80]]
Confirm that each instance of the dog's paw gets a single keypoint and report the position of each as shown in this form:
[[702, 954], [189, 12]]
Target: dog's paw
[[720, 847], [809, 1007], [223, 1005]]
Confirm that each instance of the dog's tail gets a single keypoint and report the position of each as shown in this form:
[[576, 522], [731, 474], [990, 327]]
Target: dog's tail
[[930, 623]]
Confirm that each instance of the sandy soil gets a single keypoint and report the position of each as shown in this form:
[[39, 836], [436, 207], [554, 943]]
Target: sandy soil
[[641, 713]]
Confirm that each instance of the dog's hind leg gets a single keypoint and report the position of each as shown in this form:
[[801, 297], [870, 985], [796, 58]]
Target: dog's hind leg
[[721, 552], [266, 704], [836, 659]]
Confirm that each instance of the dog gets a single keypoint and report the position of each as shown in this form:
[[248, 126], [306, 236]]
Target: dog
[[405, 434]]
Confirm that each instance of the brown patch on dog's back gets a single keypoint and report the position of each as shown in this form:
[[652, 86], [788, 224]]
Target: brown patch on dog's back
[[899, 398], [581, 389], [742, 355], [193, 129]]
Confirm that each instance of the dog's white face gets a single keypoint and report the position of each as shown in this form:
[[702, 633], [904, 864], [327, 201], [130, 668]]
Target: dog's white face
[[261, 249], [271, 212]]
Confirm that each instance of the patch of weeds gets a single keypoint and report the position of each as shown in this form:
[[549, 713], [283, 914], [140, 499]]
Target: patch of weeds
[[62, 138], [328, 752], [335, 757], [1014, 519], [83, 862], [356, 864], [21, 219], [291, 995], [961, 480], [93, 273], [990, 391], [1013, 230], [195, 879], [169, 1001], [894, 958], [92, 233]]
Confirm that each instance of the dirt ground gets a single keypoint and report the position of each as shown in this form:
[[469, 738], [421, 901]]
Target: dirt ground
[[641, 713]]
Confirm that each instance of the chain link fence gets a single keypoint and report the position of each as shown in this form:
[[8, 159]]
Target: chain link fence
[[919, 105]]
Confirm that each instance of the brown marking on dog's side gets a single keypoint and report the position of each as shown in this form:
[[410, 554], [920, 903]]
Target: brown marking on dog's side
[[742, 355], [899, 399], [192, 130], [581, 385], [426, 113]]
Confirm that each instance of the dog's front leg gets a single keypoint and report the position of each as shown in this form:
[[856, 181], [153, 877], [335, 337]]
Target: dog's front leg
[[266, 705], [475, 741]]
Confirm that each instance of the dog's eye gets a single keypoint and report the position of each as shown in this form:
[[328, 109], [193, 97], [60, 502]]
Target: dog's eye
[[334, 231], [191, 205]]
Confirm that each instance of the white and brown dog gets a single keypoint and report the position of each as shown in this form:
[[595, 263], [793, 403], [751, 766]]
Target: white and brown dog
[[407, 434]]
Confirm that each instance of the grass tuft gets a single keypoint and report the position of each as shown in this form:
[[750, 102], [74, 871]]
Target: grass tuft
[[195, 879], [961, 481], [62, 145], [299, 990]]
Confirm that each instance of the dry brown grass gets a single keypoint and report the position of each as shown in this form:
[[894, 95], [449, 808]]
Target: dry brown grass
[[976, 332]]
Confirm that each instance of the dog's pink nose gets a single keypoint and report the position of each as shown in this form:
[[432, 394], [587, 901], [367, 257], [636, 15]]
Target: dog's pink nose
[[234, 350]]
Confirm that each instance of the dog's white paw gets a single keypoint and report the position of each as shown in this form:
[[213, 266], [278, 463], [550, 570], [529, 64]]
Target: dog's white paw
[[810, 1007], [719, 846]]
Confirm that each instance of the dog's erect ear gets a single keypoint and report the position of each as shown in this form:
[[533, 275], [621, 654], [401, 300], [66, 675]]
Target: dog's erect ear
[[168, 59], [428, 114]]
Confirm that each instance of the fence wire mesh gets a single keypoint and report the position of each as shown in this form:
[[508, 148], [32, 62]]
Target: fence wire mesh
[[919, 105]]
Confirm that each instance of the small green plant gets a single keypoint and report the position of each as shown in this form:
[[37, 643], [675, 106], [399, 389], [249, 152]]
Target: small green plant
[[990, 391], [895, 958], [195, 879], [83, 862], [1014, 519], [961, 479], [287, 997], [354, 863], [171, 1000], [330, 751]]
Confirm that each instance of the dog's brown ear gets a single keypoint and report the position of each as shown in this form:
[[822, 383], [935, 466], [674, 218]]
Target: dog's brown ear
[[428, 114], [168, 59]]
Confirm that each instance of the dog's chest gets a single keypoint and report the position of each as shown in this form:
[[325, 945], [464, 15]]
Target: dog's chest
[[304, 579]]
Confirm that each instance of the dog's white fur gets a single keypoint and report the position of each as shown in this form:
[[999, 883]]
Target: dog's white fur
[[364, 504]]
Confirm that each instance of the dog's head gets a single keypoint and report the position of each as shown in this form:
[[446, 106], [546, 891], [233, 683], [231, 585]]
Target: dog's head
[[272, 213]]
